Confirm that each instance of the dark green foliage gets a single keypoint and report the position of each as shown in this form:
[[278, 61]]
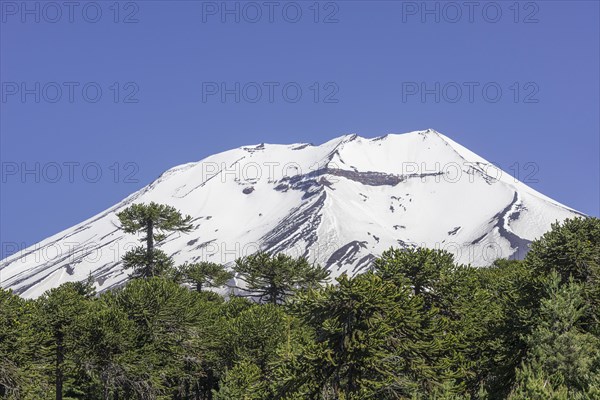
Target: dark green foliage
[[272, 278], [204, 274], [160, 218], [417, 326], [106, 345], [20, 375], [243, 382], [453, 297], [499, 310], [572, 249], [254, 335], [171, 326], [235, 306], [424, 269], [373, 339], [60, 321], [137, 259], [154, 220], [562, 361], [255, 341]]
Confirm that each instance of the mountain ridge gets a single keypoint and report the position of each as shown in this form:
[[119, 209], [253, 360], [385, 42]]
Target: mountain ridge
[[340, 203]]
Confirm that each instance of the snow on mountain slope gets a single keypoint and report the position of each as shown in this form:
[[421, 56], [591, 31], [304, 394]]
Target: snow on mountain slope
[[340, 204]]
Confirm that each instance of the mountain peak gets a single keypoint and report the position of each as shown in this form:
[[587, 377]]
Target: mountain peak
[[340, 203]]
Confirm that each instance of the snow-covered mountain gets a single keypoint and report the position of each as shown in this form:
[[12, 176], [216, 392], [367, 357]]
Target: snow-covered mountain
[[340, 204]]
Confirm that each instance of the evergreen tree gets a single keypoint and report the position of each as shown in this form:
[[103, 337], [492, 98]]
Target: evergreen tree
[[417, 326], [204, 274], [451, 295], [234, 307], [243, 382], [105, 345], [60, 315], [20, 376], [572, 249], [254, 335], [10, 373], [273, 278], [563, 361], [173, 334], [154, 220], [499, 312], [137, 259], [423, 267], [262, 337], [432, 274], [373, 339]]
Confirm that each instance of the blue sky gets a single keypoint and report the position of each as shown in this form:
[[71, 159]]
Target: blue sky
[[101, 97]]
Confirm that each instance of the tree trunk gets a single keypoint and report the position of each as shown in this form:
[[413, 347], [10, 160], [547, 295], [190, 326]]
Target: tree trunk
[[272, 290], [198, 286], [149, 248], [59, 365], [211, 383]]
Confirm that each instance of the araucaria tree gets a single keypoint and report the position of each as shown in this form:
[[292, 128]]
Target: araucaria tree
[[155, 220], [563, 361], [416, 326], [273, 278], [204, 274]]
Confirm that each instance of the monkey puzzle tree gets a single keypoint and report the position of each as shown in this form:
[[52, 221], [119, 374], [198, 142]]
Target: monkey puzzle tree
[[272, 278], [155, 220], [563, 360], [204, 274], [572, 249], [59, 323], [374, 339]]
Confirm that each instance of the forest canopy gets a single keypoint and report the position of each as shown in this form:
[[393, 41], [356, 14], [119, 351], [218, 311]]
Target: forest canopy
[[417, 325]]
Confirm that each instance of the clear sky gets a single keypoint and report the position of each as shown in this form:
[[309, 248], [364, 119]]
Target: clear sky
[[99, 98]]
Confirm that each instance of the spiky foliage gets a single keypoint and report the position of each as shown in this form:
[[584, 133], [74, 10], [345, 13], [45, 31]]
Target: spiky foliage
[[273, 278], [60, 319], [204, 274], [106, 344], [417, 326], [243, 382], [155, 221], [172, 335], [563, 361], [373, 339], [572, 249], [432, 274], [21, 373], [254, 335], [136, 259]]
